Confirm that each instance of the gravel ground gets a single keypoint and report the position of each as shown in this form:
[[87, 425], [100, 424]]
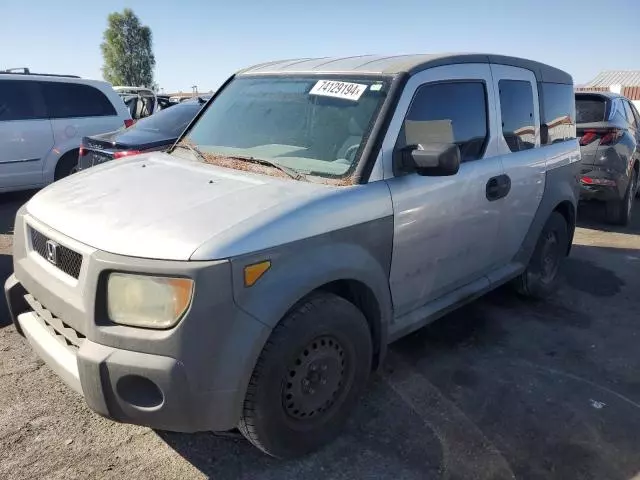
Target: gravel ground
[[503, 388]]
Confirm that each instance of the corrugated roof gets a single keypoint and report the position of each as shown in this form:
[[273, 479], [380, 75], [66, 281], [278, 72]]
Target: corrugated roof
[[627, 78], [378, 64]]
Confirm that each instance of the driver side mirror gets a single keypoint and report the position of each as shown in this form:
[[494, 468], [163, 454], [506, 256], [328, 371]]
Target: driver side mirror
[[433, 160]]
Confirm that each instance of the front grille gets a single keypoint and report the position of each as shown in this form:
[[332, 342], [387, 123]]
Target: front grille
[[66, 335], [65, 259]]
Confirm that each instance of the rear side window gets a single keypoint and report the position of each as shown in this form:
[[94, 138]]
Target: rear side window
[[590, 108], [557, 112], [448, 113], [68, 100], [629, 114], [635, 113], [516, 105], [20, 100]]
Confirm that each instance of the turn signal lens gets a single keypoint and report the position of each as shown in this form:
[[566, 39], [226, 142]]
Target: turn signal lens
[[252, 273]]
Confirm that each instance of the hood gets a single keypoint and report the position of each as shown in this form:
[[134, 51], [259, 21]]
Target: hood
[[159, 206], [131, 137]]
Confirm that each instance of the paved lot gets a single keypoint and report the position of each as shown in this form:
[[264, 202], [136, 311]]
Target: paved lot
[[503, 388]]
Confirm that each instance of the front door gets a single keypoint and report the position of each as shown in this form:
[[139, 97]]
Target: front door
[[25, 134], [445, 227]]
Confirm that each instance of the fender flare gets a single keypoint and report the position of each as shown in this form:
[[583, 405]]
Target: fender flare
[[295, 274], [560, 190]]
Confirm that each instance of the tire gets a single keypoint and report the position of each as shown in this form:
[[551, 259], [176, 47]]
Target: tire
[[308, 377], [67, 165], [539, 279], [618, 212]]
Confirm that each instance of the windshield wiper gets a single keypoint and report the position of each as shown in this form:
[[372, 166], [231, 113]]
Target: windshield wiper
[[288, 170], [193, 149]]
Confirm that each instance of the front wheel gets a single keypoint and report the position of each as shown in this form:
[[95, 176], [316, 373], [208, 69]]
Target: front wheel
[[308, 377], [540, 277]]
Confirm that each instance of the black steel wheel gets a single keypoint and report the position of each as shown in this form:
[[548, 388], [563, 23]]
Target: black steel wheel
[[308, 377], [541, 275], [316, 379]]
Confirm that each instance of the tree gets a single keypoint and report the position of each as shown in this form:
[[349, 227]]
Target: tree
[[127, 51]]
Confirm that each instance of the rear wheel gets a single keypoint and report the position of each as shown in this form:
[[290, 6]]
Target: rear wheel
[[618, 212], [308, 377], [67, 165], [540, 277]]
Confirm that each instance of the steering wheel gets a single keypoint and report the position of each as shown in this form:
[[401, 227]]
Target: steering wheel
[[351, 152]]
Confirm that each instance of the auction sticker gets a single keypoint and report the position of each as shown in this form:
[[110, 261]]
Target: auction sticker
[[332, 88]]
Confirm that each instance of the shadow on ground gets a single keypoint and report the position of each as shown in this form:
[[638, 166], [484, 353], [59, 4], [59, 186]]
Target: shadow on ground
[[591, 215], [503, 387]]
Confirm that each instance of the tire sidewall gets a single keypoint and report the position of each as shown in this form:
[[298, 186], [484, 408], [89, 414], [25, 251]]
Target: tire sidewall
[[280, 434], [535, 287]]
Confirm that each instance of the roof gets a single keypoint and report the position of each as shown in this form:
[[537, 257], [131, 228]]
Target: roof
[[391, 65], [602, 93], [627, 78], [52, 78]]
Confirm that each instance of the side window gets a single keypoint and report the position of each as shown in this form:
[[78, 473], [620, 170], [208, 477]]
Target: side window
[[448, 113], [635, 114], [516, 105], [68, 100], [629, 114], [617, 112], [20, 100], [557, 112]]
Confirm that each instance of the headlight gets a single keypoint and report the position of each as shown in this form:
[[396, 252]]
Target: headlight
[[146, 301]]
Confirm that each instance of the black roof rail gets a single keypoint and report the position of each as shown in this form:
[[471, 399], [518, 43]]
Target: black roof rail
[[26, 71]]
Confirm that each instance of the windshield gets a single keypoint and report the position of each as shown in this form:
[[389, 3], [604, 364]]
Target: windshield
[[313, 125], [170, 122]]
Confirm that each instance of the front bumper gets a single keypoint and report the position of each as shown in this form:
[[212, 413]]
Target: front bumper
[[190, 378]]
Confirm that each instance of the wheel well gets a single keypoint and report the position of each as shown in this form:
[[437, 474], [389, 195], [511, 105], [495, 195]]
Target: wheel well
[[362, 297], [73, 153], [567, 210]]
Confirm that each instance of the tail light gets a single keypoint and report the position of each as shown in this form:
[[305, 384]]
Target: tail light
[[128, 122], [125, 153], [606, 137], [82, 152], [597, 181], [611, 137]]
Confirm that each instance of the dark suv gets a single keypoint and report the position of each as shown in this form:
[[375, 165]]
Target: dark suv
[[609, 129]]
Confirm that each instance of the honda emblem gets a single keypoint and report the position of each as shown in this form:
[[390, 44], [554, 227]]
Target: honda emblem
[[52, 252]]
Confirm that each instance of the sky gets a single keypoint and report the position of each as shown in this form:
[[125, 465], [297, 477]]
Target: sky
[[203, 42]]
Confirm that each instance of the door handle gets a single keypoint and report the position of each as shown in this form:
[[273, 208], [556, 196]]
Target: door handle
[[498, 187]]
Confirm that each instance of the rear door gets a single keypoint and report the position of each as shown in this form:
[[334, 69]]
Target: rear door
[[78, 110], [519, 149], [25, 134]]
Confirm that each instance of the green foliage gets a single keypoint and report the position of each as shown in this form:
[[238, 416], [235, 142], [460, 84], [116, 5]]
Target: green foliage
[[127, 51]]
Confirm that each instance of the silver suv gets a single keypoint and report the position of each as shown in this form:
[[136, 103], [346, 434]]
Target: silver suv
[[312, 213]]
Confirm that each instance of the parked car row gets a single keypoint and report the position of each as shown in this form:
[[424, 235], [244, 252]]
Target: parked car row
[[43, 119], [253, 275]]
